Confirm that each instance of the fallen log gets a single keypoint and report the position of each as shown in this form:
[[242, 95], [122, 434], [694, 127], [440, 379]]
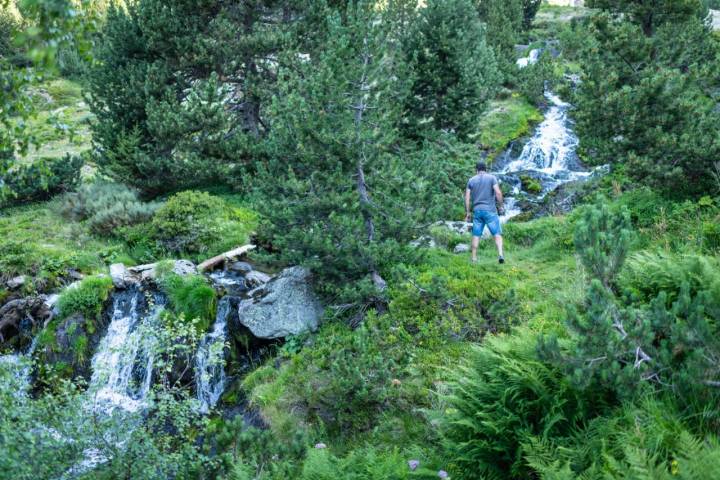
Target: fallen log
[[223, 257]]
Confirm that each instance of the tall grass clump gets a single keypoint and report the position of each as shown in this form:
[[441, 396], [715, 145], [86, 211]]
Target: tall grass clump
[[190, 296], [87, 298]]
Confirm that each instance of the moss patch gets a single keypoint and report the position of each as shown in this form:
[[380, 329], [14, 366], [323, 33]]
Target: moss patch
[[506, 121]]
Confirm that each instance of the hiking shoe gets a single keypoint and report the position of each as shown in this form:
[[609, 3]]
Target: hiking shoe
[[501, 259]]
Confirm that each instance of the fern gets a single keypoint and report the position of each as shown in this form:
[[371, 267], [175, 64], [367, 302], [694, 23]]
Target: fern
[[503, 395]]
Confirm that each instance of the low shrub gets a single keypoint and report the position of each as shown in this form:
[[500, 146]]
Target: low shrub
[[86, 298], [107, 207], [40, 180], [198, 223], [500, 396]]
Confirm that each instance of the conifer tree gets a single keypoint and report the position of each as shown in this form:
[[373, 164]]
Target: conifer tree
[[504, 20], [626, 343], [180, 88], [648, 95], [455, 71], [335, 190]]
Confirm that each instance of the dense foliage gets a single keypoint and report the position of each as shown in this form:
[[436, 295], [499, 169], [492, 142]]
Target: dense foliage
[[455, 69], [648, 97], [339, 135]]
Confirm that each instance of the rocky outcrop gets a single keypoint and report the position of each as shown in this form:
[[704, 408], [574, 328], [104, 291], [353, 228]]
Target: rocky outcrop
[[286, 305]]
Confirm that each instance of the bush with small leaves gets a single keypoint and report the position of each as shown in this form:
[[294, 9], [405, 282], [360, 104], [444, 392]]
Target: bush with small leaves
[[40, 180], [107, 207]]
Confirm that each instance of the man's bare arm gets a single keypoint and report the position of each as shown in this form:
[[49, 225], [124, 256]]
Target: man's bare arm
[[467, 204], [499, 195]]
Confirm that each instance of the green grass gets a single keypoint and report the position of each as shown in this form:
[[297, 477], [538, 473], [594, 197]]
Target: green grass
[[61, 125], [36, 240], [506, 121]]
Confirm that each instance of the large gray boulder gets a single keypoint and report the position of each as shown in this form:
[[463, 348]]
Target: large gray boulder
[[286, 305]]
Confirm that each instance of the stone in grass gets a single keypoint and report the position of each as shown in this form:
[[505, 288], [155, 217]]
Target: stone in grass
[[462, 248], [284, 306], [413, 464], [320, 446]]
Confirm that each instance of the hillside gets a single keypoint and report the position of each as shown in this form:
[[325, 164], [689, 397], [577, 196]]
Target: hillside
[[233, 243]]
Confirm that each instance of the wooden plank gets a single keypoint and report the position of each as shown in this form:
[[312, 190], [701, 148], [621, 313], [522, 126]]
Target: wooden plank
[[230, 255]]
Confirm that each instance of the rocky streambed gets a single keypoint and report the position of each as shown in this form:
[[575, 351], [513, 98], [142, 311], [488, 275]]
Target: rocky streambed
[[254, 310]]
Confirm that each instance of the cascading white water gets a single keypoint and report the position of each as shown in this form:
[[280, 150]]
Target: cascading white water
[[531, 59], [210, 360], [549, 156], [20, 366], [123, 364]]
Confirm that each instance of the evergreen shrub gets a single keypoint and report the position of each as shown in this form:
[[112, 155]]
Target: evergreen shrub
[[199, 223], [40, 180]]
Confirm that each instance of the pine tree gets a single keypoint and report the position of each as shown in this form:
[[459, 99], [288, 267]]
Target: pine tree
[[504, 20], [626, 343], [180, 88], [335, 189], [455, 72], [648, 95]]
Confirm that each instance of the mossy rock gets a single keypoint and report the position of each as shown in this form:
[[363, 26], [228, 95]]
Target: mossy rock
[[531, 185]]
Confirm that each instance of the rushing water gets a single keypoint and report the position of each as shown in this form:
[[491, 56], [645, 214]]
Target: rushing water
[[122, 367], [210, 360], [549, 157], [20, 367]]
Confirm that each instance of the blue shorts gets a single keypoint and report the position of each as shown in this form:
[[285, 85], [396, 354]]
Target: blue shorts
[[481, 218]]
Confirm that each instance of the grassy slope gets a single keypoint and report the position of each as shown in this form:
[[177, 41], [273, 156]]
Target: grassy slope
[[422, 337], [507, 120], [61, 125]]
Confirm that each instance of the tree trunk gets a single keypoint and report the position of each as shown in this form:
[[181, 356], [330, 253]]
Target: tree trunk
[[365, 203]]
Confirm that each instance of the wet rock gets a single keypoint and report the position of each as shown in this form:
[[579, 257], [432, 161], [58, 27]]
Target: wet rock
[[148, 272], [20, 318], [75, 275], [286, 305], [461, 248], [255, 279], [240, 267], [16, 282], [120, 275]]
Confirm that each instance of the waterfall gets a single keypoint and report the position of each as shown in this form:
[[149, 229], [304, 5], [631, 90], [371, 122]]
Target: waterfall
[[123, 364], [531, 59], [210, 360], [549, 157], [20, 366]]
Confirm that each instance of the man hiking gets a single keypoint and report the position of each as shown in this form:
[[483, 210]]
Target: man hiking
[[482, 196]]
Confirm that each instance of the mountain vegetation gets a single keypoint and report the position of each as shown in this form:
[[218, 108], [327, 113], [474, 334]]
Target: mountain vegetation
[[144, 141]]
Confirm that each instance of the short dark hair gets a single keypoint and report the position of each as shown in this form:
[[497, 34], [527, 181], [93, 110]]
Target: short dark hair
[[481, 167]]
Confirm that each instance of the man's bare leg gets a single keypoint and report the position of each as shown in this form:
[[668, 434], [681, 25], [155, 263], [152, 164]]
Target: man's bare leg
[[475, 243], [499, 244]]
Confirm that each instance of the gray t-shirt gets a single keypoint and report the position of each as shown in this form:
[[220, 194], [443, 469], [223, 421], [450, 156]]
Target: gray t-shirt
[[482, 192]]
